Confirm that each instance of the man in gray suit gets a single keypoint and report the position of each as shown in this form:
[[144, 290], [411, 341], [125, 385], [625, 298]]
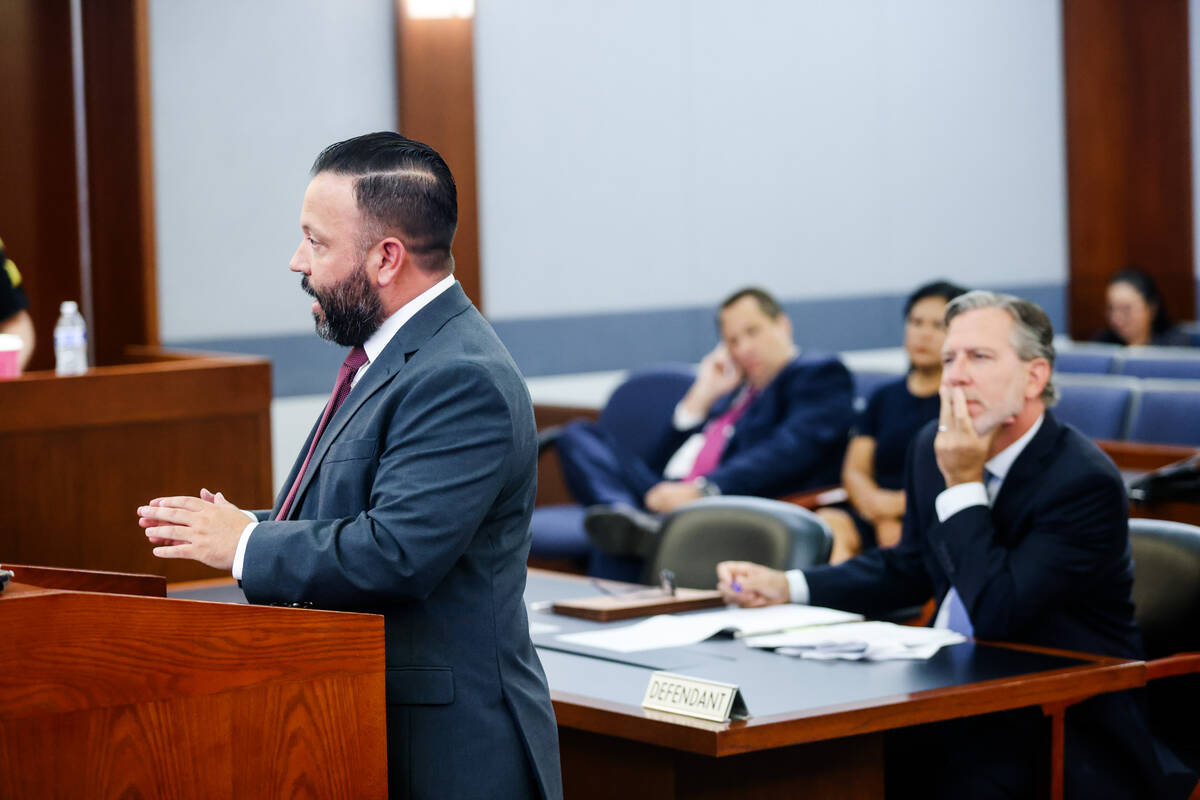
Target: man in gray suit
[[413, 494]]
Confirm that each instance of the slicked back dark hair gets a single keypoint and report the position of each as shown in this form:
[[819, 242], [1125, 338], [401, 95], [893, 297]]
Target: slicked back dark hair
[[764, 299], [404, 189], [943, 289]]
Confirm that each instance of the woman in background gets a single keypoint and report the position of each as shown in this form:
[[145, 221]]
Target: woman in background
[[1136, 314], [873, 471]]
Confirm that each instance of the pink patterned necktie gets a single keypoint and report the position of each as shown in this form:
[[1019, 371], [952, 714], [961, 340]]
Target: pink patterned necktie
[[716, 436], [354, 359]]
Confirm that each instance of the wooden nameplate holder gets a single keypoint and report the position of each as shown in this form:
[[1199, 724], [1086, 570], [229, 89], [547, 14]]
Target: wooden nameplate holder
[[606, 608]]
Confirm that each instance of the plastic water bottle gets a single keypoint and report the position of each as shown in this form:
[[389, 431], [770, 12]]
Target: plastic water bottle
[[70, 341]]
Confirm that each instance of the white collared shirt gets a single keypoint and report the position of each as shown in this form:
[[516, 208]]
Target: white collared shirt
[[373, 346], [949, 502], [391, 326]]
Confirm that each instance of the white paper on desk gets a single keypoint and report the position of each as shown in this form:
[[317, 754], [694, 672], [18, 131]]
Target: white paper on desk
[[675, 630], [538, 628], [860, 641]]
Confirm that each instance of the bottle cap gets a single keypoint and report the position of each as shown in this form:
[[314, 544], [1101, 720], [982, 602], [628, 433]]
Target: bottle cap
[[68, 307]]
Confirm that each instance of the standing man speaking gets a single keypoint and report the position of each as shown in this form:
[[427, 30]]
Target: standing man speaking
[[412, 496]]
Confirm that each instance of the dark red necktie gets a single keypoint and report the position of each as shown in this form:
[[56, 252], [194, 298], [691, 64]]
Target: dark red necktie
[[355, 359]]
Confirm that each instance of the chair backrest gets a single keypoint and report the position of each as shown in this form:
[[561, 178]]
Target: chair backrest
[[1098, 406], [1179, 364], [1167, 412], [638, 414], [698, 536], [1166, 584], [1091, 363]]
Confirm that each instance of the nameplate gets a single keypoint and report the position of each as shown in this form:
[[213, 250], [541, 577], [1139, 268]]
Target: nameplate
[[693, 697]]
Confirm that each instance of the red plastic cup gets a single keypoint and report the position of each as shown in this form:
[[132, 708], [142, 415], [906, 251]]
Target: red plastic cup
[[10, 356]]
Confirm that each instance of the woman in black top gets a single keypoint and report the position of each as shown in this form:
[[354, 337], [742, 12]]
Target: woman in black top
[[1136, 313], [873, 471]]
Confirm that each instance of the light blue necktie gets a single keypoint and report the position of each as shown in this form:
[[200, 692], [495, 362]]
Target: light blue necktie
[[957, 619]]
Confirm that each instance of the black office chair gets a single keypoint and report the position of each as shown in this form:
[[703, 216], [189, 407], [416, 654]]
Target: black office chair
[[1166, 596], [700, 535], [1166, 585]]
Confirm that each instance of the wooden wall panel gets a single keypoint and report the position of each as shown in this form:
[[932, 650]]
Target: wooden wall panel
[[39, 204], [1129, 168], [436, 86], [38, 201], [81, 454], [120, 176]]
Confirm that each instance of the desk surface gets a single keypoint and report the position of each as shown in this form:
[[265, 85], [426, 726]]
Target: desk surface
[[794, 700], [790, 700]]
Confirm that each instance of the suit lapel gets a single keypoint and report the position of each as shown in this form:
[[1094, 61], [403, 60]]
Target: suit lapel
[[407, 341], [1025, 476]]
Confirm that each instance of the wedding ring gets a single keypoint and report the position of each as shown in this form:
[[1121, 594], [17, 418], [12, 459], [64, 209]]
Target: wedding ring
[[943, 428]]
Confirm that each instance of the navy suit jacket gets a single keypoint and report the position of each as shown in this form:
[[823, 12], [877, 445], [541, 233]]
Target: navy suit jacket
[[792, 436], [416, 506], [1047, 564]]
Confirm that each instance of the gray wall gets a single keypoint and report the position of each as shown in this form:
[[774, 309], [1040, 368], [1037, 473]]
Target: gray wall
[[637, 161], [638, 155], [243, 96]]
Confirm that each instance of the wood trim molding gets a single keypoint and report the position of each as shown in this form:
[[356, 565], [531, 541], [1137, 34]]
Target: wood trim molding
[[435, 83], [1129, 161], [39, 204], [120, 177]]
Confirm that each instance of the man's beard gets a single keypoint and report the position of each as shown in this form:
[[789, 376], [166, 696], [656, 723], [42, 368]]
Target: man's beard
[[350, 309], [1005, 409]]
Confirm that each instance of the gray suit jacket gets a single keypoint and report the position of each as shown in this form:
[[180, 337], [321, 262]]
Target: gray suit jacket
[[416, 506]]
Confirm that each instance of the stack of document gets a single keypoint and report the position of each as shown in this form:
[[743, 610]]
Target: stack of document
[[677, 630], [859, 641]]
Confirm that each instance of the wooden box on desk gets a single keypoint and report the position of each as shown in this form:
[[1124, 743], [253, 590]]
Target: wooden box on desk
[[78, 455], [117, 695]]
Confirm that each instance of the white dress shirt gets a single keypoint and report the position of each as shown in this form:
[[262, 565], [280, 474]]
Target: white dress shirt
[[373, 347], [680, 464], [948, 503]]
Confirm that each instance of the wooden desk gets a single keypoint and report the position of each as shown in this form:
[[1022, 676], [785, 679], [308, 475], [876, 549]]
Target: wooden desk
[[816, 728], [78, 455], [116, 695]]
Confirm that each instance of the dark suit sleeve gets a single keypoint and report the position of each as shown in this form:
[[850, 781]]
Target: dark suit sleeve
[[442, 463], [1077, 535], [812, 433], [884, 579]]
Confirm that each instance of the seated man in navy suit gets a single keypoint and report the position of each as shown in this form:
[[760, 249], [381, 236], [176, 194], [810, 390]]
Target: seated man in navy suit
[[1018, 526], [760, 419]]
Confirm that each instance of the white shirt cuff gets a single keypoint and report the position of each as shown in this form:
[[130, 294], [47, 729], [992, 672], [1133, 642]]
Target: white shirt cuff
[[797, 586], [685, 420], [239, 555], [956, 498]]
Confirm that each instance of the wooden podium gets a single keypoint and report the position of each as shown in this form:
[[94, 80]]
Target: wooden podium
[[118, 695], [78, 455]]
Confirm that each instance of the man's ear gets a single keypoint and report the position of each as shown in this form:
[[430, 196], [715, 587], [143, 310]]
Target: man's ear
[[785, 322], [1039, 376], [392, 259]]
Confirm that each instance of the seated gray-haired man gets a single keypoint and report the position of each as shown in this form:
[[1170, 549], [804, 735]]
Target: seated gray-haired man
[[1018, 526]]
